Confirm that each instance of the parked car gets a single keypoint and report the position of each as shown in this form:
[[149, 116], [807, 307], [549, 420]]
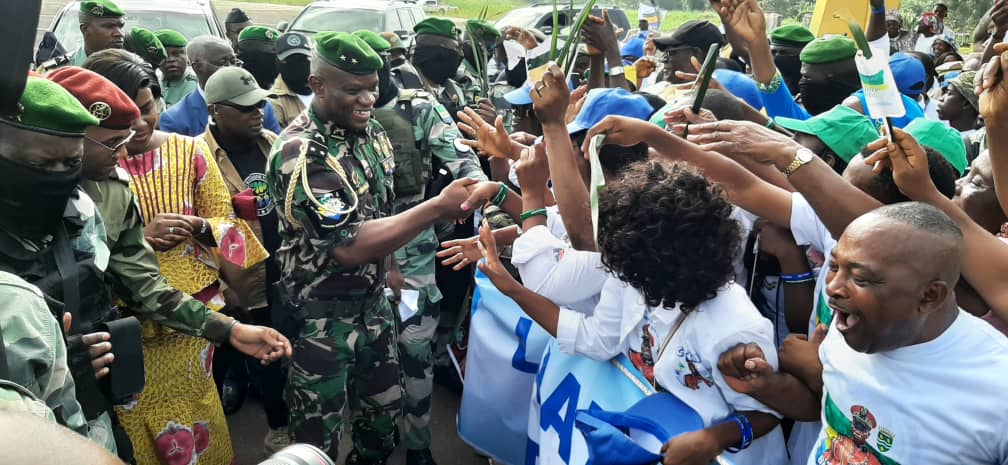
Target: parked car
[[343, 16], [540, 16], [192, 18]]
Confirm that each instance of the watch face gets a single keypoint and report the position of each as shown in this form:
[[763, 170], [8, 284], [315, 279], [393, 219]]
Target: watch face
[[805, 155]]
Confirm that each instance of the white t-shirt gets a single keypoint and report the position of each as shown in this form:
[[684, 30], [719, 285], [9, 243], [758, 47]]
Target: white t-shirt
[[809, 230], [550, 267], [622, 322], [936, 403]]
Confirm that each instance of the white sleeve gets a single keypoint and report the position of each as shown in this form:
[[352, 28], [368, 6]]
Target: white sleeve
[[806, 226], [761, 334], [554, 270], [880, 46], [598, 336]]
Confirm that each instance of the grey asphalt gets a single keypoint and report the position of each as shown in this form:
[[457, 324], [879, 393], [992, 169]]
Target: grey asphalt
[[248, 425]]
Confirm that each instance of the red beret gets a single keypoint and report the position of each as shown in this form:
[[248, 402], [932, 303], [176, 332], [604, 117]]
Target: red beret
[[102, 98]]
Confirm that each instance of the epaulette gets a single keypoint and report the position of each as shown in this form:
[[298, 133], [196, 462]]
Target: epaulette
[[120, 175]]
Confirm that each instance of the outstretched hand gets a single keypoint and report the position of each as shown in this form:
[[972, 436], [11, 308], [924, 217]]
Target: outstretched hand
[[908, 161], [992, 86], [745, 18], [623, 131], [491, 140], [742, 139], [491, 264], [532, 168], [551, 96], [263, 343]]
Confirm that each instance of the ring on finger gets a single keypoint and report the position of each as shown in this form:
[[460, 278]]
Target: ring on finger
[[171, 229]]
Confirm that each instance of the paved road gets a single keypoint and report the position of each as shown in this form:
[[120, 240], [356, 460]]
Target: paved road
[[248, 426]]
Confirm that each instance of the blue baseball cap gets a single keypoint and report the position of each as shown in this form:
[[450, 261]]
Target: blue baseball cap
[[741, 86], [520, 96], [909, 74], [633, 48], [611, 101]]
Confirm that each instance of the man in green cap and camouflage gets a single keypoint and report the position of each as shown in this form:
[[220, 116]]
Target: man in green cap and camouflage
[[257, 51], [331, 176], [145, 44], [101, 25], [419, 129], [177, 79], [786, 44], [437, 55], [291, 92]]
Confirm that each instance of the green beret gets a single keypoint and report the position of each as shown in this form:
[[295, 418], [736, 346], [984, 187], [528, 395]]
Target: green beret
[[144, 43], [101, 9], [828, 50], [267, 34], [964, 85], [48, 108], [347, 52], [946, 141], [377, 42], [482, 30], [170, 38], [792, 35], [437, 26]]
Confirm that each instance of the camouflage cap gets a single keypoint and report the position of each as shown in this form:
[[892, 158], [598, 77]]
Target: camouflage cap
[[437, 26], [170, 38], [101, 9], [482, 30], [263, 33], [144, 43], [395, 43], [377, 42], [347, 52], [48, 108]]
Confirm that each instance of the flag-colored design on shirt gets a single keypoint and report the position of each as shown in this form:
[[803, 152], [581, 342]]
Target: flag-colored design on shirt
[[644, 360], [687, 372], [846, 441], [824, 314]]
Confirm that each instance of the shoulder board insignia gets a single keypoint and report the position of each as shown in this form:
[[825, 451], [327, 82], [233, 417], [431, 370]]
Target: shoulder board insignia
[[120, 175]]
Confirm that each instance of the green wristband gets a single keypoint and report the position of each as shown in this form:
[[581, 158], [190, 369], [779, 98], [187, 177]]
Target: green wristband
[[501, 195], [531, 213]]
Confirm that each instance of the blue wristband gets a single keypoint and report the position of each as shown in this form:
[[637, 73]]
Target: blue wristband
[[747, 433], [797, 278], [878, 11]]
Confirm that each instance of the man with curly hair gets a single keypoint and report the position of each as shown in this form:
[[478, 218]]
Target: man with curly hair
[[667, 239]]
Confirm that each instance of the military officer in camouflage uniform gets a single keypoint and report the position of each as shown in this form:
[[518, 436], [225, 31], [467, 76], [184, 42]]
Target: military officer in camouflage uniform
[[331, 174], [101, 25], [437, 55], [419, 128]]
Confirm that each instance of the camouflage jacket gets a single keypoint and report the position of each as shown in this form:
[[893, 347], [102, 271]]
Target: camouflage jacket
[[36, 355], [133, 272], [433, 134], [327, 182]]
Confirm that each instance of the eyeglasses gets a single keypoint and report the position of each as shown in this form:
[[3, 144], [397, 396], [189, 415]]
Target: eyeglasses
[[116, 147], [246, 109]]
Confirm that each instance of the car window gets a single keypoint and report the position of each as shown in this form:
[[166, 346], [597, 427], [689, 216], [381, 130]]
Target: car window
[[341, 20], [521, 17], [190, 24], [419, 14], [393, 23], [406, 17]]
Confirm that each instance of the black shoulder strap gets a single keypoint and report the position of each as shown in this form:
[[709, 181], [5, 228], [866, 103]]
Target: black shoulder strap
[[66, 264]]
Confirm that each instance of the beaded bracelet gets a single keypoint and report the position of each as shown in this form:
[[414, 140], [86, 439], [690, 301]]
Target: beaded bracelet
[[500, 196], [531, 213]]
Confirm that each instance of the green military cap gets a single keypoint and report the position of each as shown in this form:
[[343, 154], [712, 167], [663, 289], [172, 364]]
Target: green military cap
[[437, 26], [347, 52], [482, 30], [377, 42], [791, 35], [170, 38], [395, 43], [941, 138], [842, 129], [267, 34], [828, 50], [235, 85], [964, 85], [48, 108], [144, 43], [101, 9]]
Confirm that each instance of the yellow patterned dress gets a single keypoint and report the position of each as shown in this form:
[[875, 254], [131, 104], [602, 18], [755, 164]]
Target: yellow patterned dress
[[178, 419]]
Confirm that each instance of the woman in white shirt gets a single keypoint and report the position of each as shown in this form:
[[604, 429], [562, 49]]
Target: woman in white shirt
[[666, 236]]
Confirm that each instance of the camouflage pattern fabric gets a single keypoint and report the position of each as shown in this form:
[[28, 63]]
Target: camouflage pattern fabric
[[432, 131], [327, 182]]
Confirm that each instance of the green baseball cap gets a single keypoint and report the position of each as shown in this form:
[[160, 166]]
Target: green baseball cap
[[347, 52], [170, 38], [828, 50], [377, 42], [48, 108], [791, 35], [235, 85], [842, 129], [144, 43], [437, 26], [482, 30], [943, 139], [101, 9], [964, 84], [266, 34]]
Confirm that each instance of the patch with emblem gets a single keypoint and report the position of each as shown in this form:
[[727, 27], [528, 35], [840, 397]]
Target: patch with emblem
[[331, 209], [264, 203], [388, 164], [293, 40], [152, 50], [460, 147], [885, 439], [98, 10], [443, 113], [100, 110]]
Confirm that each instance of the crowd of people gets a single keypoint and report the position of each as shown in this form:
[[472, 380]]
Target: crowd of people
[[302, 216]]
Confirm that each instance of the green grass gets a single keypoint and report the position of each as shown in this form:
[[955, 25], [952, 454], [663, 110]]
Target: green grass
[[281, 2]]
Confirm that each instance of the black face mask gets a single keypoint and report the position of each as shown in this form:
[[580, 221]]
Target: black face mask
[[263, 67], [437, 63], [790, 69], [295, 71], [821, 96], [33, 200], [516, 76], [387, 89]]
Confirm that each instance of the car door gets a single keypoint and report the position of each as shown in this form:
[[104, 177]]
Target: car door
[[392, 21]]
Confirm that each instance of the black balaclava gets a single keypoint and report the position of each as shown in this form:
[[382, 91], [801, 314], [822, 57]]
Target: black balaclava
[[295, 71], [790, 69], [262, 65], [387, 90], [33, 200]]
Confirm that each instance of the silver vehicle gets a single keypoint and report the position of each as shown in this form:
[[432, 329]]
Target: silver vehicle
[[343, 16]]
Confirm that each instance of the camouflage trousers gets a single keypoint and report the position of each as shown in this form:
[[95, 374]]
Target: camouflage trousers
[[346, 354], [416, 343]]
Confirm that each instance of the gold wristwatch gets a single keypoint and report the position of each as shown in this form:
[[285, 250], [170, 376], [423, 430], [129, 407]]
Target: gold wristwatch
[[802, 157]]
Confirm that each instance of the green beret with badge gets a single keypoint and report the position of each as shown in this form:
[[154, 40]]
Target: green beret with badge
[[101, 9], [144, 43], [483, 30], [791, 35], [377, 42], [262, 33], [170, 38], [347, 52], [48, 108], [437, 26], [828, 50]]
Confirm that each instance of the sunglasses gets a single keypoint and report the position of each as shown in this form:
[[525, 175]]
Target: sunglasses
[[244, 108], [116, 147]]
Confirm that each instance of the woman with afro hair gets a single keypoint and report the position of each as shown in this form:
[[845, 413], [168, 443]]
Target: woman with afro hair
[[670, 304]]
